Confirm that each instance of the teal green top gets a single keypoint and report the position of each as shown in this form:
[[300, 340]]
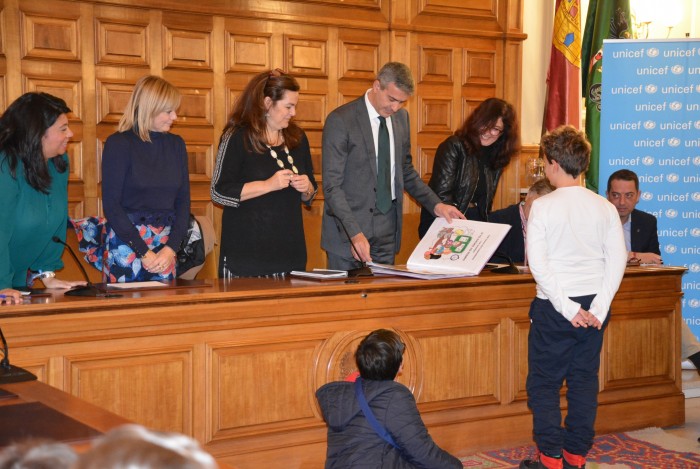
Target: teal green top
[[28, 220]]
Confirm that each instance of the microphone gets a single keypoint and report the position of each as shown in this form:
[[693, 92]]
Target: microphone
[[90, 289], [511, 268], [363, 270], [10, 373]]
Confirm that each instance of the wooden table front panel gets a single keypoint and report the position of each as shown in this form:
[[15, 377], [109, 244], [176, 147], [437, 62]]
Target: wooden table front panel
[[236, 365]]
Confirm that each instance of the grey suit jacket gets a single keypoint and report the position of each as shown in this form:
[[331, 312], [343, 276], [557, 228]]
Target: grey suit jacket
[[350, 175]]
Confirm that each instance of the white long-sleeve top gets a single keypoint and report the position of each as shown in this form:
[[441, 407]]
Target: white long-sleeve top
[[575, 247]]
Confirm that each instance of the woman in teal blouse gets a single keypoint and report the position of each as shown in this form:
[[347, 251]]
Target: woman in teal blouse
[[34, 134]]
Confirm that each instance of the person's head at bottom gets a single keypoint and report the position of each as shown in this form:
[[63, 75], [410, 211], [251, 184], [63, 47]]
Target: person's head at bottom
[[37, 454], [136, 447], [379, 356]]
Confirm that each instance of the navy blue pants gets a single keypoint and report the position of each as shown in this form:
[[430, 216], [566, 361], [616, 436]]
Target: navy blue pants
[[558, 351]]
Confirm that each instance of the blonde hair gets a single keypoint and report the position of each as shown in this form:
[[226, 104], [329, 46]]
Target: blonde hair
[[151, 96], [136, 447]]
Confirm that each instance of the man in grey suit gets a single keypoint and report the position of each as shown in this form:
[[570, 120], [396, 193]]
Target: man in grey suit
[[358, 198]]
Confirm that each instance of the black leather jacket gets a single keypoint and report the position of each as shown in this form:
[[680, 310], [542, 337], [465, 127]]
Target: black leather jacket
[[455, 176]]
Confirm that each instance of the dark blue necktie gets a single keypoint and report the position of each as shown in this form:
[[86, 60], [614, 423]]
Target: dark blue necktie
[[383, 168]]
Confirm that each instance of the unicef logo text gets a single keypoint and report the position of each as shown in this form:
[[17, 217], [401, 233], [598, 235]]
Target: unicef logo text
[[677, 69]]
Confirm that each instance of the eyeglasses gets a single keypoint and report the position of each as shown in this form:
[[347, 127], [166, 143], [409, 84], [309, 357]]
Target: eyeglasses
[[495, 131]]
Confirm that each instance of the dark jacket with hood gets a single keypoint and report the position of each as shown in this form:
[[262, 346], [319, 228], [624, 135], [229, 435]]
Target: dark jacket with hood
[[454, 179], [353, 443]]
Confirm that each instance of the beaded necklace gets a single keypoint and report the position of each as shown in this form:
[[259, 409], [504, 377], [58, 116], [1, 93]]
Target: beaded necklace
[[290, 160]]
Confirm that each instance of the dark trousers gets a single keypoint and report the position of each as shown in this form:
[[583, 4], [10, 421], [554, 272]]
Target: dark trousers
[[382, 245], [558, 351]]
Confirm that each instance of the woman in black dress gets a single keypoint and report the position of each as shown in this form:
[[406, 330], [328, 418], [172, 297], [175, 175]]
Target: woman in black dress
[[263, 173]]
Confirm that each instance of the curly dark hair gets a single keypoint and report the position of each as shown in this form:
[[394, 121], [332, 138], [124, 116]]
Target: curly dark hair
[[485, 117], [22, 126]]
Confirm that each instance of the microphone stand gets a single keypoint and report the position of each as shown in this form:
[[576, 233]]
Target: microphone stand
[[363, 270], [90, 289], [511, 268], [10, 373]]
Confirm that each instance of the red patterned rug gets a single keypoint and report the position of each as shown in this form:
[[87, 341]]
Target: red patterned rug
[[643, 449]]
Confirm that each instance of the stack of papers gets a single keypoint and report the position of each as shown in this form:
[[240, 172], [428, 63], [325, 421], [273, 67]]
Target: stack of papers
[[320, 274]]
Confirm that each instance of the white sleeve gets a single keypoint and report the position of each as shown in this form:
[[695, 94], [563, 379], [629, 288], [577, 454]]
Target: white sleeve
[[536, 245], [615, 253]]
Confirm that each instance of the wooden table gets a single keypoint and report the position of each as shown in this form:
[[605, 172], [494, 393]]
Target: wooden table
[[236, 364]]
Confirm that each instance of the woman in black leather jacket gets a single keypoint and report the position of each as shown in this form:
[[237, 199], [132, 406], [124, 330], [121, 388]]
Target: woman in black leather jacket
[[468, 164]]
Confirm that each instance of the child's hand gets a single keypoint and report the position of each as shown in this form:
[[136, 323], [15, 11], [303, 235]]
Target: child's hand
[[585, 318]]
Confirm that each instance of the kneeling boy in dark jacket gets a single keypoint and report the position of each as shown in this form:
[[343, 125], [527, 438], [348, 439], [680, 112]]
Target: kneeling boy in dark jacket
[[353, 442]]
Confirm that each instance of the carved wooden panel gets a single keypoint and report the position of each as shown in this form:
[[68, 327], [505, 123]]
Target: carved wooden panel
[[200, 158], [465, 8], [311, 110], [75, 156], [358, 60], [519, 364], [69, 91], [196, 106], [277, 393], [76, 209], [435, 115], [306, 56], [125, 44], [45, 37], [648, 358], [435, 65], [455, 371], [128, 383], [187, 49], [336, 359], [111, 100], [479, 67], [248, 53], [468, 106], [424, 162], [3, 94]]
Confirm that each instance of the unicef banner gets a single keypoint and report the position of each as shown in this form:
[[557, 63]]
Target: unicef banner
[[650, 124]]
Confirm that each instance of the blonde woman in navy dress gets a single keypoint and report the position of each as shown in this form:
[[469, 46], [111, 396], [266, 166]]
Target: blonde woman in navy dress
[[262, 176], [145, 186]]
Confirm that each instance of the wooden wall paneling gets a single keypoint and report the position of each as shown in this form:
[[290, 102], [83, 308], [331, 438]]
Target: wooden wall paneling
[[130, 382]]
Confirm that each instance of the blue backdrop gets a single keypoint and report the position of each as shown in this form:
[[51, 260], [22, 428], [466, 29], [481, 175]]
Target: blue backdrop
[[650, 123]]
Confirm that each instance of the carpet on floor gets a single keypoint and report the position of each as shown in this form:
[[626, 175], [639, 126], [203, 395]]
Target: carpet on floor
[[641, 449]]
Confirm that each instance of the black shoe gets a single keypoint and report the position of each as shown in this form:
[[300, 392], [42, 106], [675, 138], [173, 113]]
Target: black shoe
[[539, 462], [695, 360]]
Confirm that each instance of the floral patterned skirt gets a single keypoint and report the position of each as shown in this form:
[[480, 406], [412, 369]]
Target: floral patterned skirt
[[113, 257]]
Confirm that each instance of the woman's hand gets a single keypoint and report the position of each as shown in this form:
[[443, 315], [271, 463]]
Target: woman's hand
[[55, 283], [9, 296], [301, 183], [280, 180], [162, 262]]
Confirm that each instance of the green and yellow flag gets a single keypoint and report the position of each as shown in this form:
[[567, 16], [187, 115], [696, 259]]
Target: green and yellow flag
[[606, 19]]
